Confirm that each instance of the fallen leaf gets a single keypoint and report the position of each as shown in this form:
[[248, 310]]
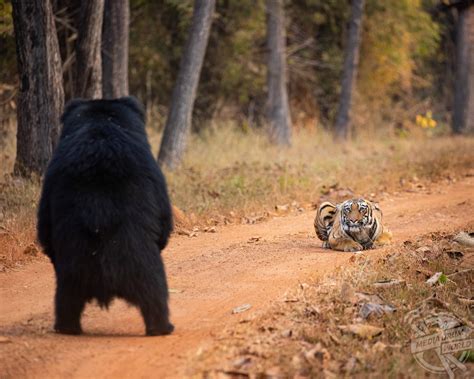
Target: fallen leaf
[[254, 239], [318, 354], [434, 279], [186, 232], [241, 308], [368, 298], [282, 208], [423, 250], [426, 273], [464, 239], [304, 286], [362, 330], [369, 309], [31, 250], [453, 254], [241, 361], [232, 374]]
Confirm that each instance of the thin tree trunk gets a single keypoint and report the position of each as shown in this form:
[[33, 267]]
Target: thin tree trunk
[[115, 48], [178, 123], [463, 108], [88, 80], [41, 96], [66, 13], [278, 109], [351, 61]]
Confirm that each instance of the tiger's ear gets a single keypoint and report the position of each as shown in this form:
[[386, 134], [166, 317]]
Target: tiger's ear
[[134, 104]]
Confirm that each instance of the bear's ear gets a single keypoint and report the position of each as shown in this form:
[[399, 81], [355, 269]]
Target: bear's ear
[[70, 107], [134, 104]]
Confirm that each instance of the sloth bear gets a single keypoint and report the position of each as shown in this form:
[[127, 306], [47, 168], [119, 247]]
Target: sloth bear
[[104, 215]]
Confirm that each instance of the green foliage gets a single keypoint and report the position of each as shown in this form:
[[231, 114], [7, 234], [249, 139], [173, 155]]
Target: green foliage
[[315, 69], [6, 22], [234, 70], [7, 44], [399, 37], [158, 32], [443, 279], [401, 61]]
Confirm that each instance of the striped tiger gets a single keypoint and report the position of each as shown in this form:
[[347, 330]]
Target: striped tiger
[[353, 225]]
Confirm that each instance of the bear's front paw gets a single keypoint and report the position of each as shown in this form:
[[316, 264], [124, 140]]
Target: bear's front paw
[[161, 331], [67, 329]]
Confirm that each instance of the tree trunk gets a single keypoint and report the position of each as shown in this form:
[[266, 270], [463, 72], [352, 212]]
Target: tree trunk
[[463, 108], [351, 60], [41, 96], [184, 92], [278, 109], [115, 48], [88, 80]]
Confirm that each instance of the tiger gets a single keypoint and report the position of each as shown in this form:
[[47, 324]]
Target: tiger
[[353, 225]]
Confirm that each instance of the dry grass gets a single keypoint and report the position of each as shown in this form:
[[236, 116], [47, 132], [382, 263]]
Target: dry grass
[[18, 200], [228, 174], [300, 337]]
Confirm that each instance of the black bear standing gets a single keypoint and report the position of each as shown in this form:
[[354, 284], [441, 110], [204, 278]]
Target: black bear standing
[[104, 214]]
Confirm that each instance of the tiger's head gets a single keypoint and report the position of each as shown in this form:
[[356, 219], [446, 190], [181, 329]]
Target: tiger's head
[[355, 214]]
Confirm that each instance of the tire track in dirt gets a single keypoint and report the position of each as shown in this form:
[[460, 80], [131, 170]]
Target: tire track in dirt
[[214, 273]]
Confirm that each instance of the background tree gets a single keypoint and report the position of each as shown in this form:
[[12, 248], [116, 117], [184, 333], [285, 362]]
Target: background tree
[[40, 97], [406, 62], [351, 60], [88, 76], [184, 92], [463, 109], [115, 37], [278, 109]]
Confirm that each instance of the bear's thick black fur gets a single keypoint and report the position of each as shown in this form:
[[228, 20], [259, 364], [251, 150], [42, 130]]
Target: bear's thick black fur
[[104, 214]]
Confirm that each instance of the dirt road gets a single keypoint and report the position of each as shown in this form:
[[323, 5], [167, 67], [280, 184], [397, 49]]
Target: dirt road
[[210, 275]]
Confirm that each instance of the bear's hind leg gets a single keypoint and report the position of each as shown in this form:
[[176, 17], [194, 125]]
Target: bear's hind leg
[[154, 307], [69, 306], [156, 319], [153, 303], [150, 295]]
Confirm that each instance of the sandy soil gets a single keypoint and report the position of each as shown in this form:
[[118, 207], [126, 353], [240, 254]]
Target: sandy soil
[[209, 276]]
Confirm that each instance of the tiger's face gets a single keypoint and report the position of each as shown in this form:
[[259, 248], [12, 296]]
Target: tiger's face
[[355, 214]]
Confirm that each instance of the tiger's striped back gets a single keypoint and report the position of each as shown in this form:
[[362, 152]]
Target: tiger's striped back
[[324, 220]]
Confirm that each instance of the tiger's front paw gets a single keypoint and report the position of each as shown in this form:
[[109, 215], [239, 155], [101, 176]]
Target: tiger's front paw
[[347, 246], [353, 247]]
